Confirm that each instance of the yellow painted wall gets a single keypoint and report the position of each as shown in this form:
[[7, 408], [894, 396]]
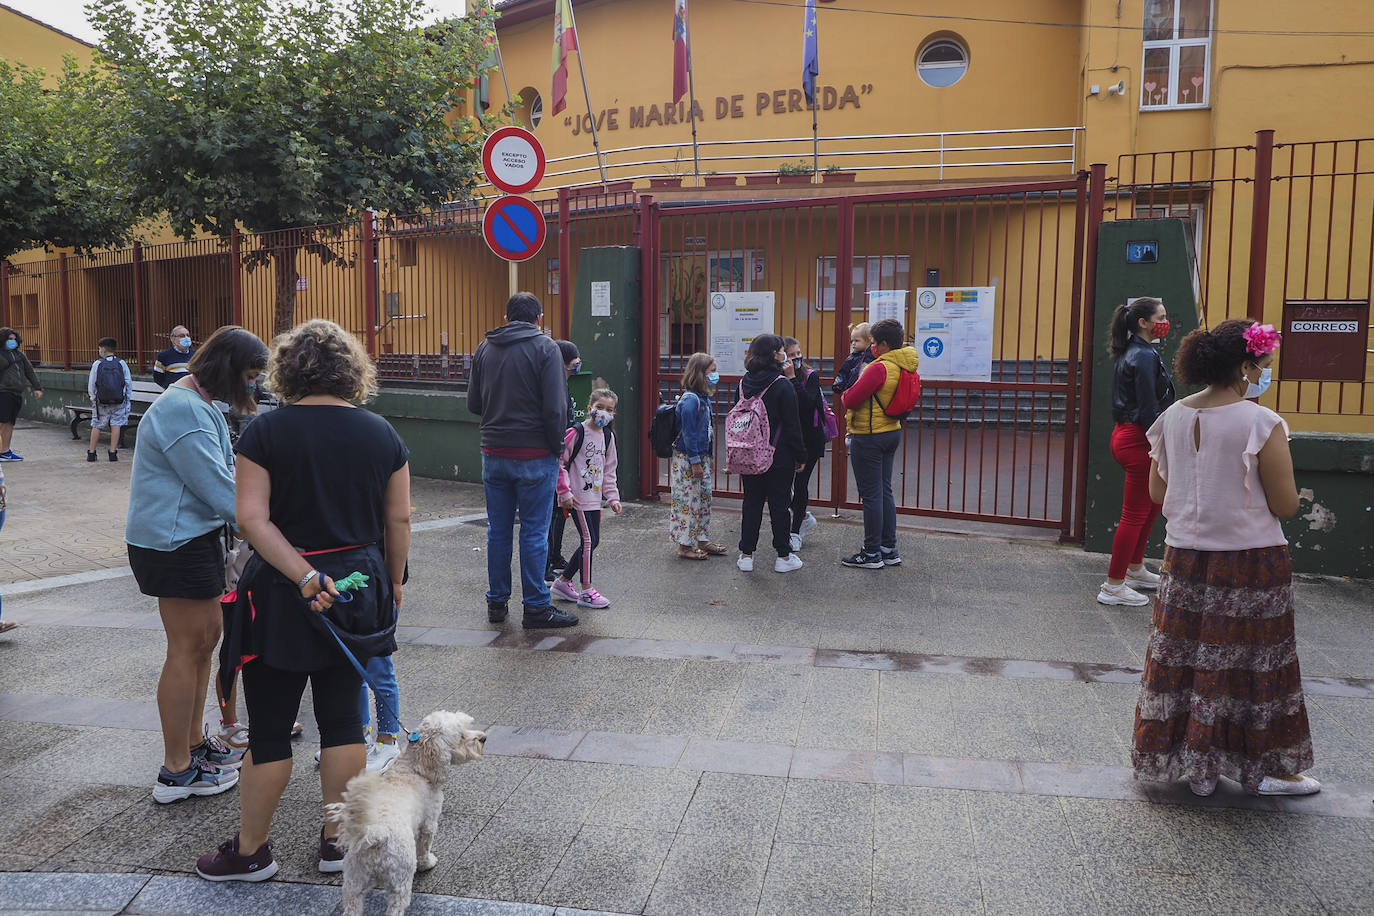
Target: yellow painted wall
[[33, 44]]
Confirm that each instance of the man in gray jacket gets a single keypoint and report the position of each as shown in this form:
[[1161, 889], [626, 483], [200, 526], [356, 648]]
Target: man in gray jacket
[[520, 390]]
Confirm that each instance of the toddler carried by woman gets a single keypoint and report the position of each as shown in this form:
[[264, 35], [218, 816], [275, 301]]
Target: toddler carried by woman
[[586, 479]]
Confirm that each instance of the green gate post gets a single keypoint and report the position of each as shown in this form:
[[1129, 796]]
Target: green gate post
[[1171, 278], [605, 327]]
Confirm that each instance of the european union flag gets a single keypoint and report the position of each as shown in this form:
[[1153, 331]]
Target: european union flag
[[811, 66]]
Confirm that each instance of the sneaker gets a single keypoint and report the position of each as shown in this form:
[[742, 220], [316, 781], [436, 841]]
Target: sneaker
[[787, 563], [746, 564], [90, 456], [592, 598], [794, 541], [197, 779], [808, 523], [1120, 594], [547, 618], [380, 756], [863, 560], [216, 753], [10, 456], [114, 456], [1142, 578], [890, 557], [563, 589], [236, 735], [226, 864], [1303, 785], [497, 611], [331, 856]]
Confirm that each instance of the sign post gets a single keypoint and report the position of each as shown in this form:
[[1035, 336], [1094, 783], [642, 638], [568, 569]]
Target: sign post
[[512, 226]]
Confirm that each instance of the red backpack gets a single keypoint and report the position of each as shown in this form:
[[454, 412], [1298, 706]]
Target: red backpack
[[906, 396]]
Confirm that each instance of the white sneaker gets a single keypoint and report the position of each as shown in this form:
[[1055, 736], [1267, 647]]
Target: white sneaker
[[787, 563], [1142, 578], [1303, 785], [746, 564], [794, 541], [808, 523], [1120, 594], [380, 756]]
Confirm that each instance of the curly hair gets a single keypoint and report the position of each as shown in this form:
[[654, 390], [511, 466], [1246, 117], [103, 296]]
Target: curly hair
[[1214, 357], [319, 357]]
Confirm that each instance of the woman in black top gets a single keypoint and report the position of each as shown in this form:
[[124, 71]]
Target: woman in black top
[[810, 410], [1141, 390], [323, 492], [765, 364]]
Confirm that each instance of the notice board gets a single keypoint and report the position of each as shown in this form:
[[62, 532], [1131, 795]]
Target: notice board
[[735, 319], [954, 331]]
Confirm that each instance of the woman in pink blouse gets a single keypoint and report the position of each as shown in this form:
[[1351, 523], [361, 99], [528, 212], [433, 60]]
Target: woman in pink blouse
[[1222, 694]]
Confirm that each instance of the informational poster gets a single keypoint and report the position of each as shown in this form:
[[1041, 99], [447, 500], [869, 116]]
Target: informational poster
[[735, 320], [601, 299], [887, 303], [955, 331]]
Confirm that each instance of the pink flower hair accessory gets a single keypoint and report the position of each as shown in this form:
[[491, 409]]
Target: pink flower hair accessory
[[1261, 339]]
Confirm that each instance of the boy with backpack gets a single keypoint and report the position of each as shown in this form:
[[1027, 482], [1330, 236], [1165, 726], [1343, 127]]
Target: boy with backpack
[[109, 386], [886, 391]]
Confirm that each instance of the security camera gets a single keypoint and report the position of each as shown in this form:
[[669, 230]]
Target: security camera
[[1118, 89]]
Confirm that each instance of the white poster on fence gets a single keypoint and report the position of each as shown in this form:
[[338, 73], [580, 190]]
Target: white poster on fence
[[954, 332], [887, 303], [735, 320]]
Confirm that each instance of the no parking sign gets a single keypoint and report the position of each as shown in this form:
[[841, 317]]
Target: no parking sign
[[514, 228]]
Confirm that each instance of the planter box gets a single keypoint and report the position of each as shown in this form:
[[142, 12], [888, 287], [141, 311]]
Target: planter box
[[665, 182], [618, 187], [795, 179], [839, 177], [721, 181], [760, 179]]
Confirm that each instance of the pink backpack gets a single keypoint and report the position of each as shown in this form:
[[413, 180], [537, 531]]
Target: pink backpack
[[749, 446]]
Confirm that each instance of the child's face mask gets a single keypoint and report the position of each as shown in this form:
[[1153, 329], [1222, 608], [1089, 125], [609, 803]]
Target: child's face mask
[[602, 417]]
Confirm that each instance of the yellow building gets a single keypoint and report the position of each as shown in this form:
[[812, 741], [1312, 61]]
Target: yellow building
[[28, 41]]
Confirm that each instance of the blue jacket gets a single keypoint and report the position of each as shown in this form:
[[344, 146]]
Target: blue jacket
[[694, 425], [182, 485]]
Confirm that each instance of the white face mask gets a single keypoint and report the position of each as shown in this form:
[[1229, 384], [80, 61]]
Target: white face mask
[[1254, 390]]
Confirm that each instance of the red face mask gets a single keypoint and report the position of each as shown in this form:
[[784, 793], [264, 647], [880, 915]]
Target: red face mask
[[1161, 329]]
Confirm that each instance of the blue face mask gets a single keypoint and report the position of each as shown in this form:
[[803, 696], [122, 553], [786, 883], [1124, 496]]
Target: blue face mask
[[713, 378], [576, 366], [1253, 390], [184, 343], [11, 344], [602, 418]]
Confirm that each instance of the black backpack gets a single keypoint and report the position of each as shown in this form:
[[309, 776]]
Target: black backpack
[[664, 429], [109, 382]]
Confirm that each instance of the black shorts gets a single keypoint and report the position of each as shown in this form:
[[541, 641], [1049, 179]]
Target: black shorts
[[10, 405], [195, 570]]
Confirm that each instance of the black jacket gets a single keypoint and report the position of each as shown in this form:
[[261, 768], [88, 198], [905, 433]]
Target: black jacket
[[810, 401], [1141, 387], [520, 389], [784, 425]]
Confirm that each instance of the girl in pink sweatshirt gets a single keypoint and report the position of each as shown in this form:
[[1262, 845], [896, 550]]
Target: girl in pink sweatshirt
[[586, 479]]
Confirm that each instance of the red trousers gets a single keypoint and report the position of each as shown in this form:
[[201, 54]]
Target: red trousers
[[1131, 450]]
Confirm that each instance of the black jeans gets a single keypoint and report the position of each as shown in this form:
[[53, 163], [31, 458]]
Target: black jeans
[[775, 488], [800, 487], [872, 457], [273, 698], [556, 533]]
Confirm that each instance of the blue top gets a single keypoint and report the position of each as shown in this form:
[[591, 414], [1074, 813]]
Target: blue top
[[182, 484], [694, 416]]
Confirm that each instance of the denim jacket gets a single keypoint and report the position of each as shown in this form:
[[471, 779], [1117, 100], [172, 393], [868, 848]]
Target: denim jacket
[[694, 425]]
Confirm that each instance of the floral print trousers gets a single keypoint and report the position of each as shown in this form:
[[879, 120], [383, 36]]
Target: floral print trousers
[[691, 512]]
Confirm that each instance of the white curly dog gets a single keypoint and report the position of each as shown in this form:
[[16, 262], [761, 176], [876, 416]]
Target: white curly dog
[[387, 820]]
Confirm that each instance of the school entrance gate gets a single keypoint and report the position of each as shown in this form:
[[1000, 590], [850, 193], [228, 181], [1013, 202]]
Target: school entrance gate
[[998, 441]]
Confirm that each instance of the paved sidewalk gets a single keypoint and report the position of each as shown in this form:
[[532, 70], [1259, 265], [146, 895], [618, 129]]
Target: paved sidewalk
[[951, 734]]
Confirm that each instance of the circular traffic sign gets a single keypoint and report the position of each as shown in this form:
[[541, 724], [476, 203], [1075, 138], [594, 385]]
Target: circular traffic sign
[[514, 228], [513, 160]]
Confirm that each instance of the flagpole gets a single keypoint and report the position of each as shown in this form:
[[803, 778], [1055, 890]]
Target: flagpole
[[501, 65], [815, 141], [692, 97], [586, 94]]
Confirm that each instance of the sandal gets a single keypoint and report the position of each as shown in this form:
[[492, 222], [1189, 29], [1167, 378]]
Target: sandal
[[691, 553], [713, 548], [7, 625]]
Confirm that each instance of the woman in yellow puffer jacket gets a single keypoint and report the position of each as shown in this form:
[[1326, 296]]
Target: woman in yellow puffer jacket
[[873, 443]]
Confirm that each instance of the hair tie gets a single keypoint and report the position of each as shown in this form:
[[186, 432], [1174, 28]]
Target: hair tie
[[1261, 339]]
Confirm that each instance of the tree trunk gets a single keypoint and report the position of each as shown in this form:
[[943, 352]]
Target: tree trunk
[[284, 308]]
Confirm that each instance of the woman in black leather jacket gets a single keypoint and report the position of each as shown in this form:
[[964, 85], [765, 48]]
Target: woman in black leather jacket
[[1141, 390]]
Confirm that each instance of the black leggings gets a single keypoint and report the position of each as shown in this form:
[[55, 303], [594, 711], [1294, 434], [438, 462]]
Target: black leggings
[[775, 488], [588, 525], [273, 698], [800, 486], [556, 533]]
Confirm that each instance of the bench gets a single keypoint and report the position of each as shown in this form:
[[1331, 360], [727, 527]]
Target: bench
[[143, 393]]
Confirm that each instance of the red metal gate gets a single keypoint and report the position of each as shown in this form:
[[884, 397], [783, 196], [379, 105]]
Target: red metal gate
[[1001, 450]]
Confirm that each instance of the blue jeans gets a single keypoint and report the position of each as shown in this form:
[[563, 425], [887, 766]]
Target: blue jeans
[[872, 457], [381, 670], [526, 487]]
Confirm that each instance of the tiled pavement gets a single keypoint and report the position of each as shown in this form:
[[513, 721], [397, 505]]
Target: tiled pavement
[[950, 735]]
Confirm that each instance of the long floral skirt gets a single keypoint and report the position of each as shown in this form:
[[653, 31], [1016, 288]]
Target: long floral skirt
[[1222, 693], [691, 513]]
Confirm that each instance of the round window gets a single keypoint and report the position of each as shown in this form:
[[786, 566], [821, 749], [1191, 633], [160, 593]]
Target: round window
[[531, 109], [941, 63]]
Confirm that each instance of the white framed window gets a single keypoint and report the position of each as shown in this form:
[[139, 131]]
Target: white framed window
[[941, 63], [1176, 64], [876, 272]]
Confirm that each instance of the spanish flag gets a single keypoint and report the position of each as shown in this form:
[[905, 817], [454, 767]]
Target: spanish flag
[[564, 40]]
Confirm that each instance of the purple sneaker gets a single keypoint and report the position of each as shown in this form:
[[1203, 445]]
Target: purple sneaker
[[562, 588], [226, 864], [331, 856]]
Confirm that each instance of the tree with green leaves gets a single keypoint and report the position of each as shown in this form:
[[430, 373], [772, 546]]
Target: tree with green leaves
[[58, 184], [292, 114]]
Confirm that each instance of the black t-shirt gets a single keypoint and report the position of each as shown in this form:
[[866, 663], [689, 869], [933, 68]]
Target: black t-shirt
[[330, 466]]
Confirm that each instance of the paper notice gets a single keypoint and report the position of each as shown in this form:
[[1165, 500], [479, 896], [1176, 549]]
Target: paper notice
[[601, 299], [971, 349], [748, 320]]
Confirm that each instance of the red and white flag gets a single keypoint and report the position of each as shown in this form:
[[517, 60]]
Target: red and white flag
[[564, 40], [682, 59]]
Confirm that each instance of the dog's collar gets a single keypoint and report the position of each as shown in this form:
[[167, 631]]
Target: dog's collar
[[414, 736]]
